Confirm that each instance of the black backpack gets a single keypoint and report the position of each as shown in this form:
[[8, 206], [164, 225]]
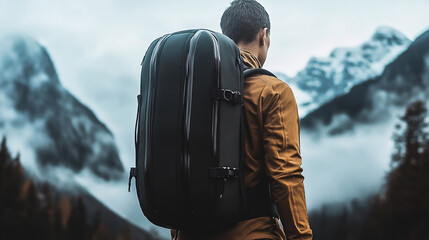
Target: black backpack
[[188, 135]]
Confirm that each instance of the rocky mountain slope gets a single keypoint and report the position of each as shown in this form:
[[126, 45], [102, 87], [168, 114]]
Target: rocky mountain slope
[[39, 116], [325, 78], [403, 81]]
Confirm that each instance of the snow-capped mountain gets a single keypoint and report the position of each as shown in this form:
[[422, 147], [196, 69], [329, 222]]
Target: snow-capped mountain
[[324, 78], [60, 140], [44, 121], [403, 81], [346, 143]]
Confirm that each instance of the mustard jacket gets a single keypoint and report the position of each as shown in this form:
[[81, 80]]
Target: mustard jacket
[[272, 147]]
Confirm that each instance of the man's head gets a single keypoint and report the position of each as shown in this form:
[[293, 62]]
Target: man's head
[[248, 24]]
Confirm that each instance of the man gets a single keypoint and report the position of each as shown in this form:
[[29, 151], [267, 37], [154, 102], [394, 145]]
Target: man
[[271, 135]]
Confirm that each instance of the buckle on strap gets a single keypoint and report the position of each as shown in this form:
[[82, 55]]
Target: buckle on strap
[[224, 172], [228, 95]]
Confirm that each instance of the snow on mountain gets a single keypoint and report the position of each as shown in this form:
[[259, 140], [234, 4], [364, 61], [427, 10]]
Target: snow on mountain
[[403, 81], [61, 140], [324, 78], [44, 121], [347, 142]]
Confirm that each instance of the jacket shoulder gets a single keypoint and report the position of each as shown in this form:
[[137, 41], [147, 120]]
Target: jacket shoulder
[[273, 84]]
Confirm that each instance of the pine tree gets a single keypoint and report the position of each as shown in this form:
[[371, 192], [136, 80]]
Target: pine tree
[[27, 212], [125, 234], [47, 213], [410, 142], [4, 158], [404, 210], [11, 179], [77, 227], [101, 233]]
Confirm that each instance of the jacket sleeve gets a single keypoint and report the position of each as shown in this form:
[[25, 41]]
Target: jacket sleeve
[[283, 159]]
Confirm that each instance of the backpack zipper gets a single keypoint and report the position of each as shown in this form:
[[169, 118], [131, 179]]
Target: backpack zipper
[[216, 103], [188, 111], [215, 114], [149, 98], [148, 119]]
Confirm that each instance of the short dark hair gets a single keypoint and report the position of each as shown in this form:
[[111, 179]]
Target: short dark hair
[[243, 20]]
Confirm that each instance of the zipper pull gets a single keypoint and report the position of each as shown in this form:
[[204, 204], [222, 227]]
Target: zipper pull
[[132, 175]]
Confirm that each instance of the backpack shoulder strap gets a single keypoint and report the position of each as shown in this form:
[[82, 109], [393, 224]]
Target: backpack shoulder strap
[[258, 200], [257, 71]]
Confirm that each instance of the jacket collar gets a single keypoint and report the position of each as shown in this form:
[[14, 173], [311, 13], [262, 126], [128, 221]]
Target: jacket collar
[[249, 59]]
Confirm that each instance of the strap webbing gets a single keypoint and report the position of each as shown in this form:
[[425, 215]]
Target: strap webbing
[[227, 95], [259, 203], [255, 71]]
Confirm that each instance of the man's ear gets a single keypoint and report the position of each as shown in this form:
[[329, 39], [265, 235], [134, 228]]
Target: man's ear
[[262, 36]]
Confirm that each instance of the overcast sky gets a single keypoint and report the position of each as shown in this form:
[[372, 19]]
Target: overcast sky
[[97, 45]]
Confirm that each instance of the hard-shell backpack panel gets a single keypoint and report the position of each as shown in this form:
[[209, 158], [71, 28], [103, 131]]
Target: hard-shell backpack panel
[[188, 140]]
